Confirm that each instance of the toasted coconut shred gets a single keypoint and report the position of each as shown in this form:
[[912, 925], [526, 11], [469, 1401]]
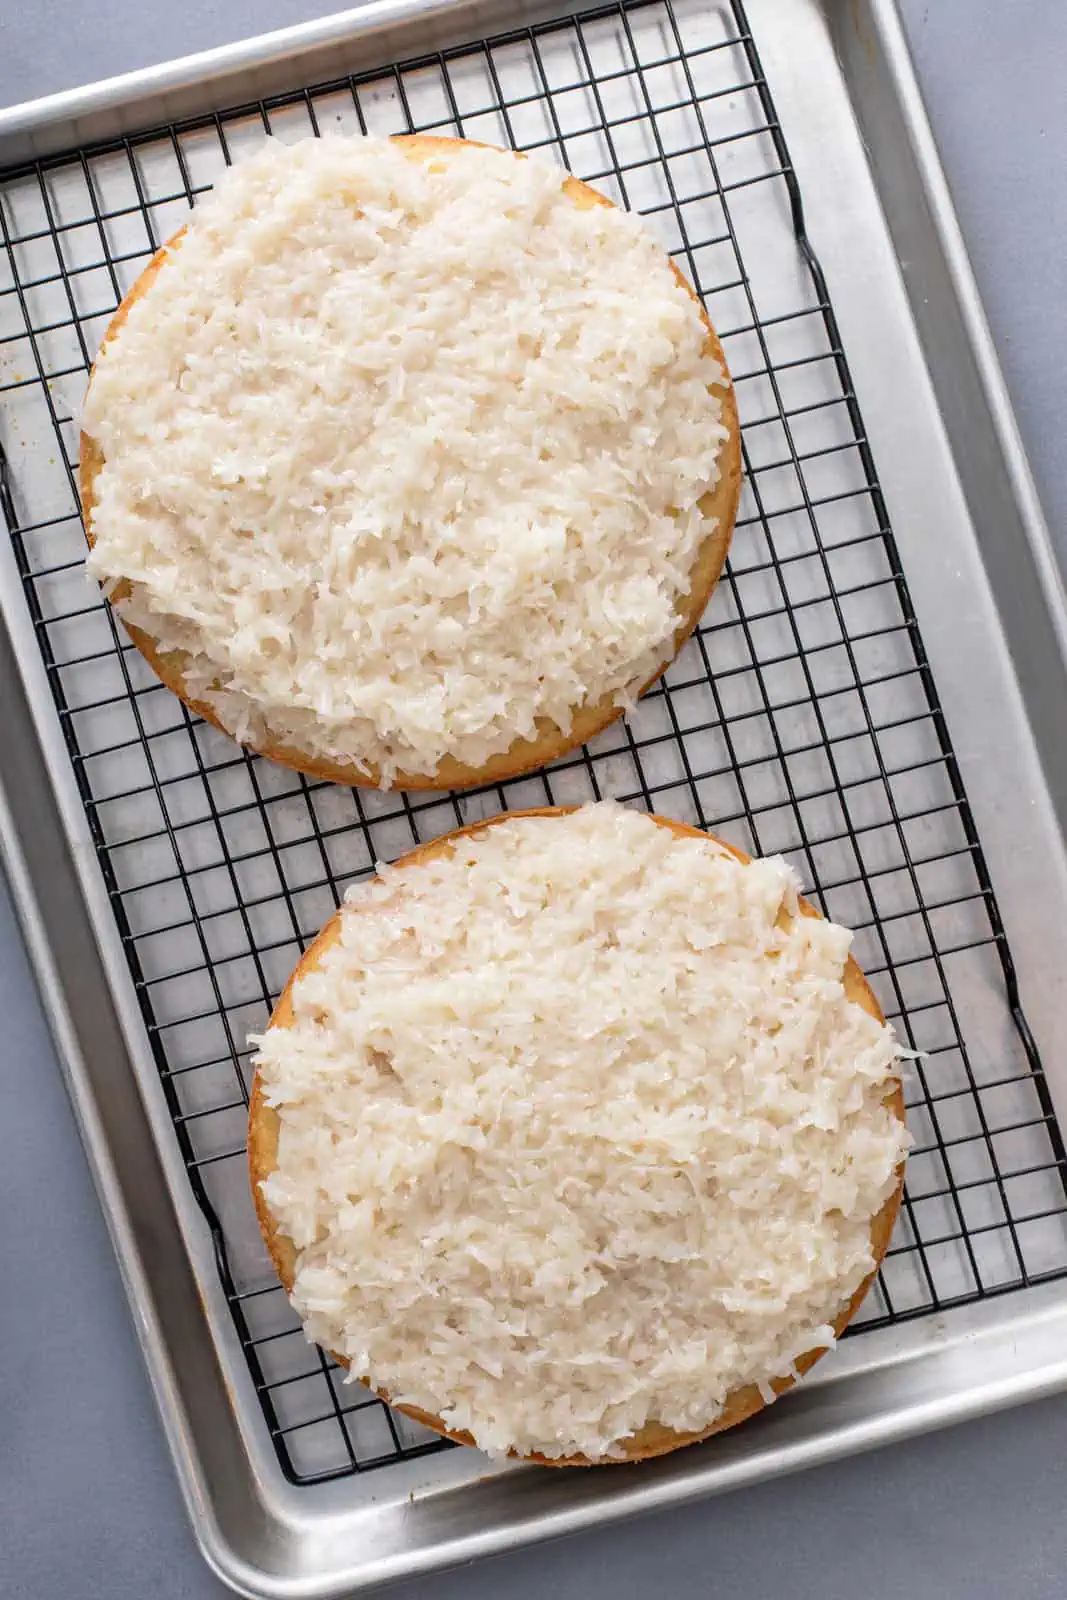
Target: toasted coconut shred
[[403, 455], [578, 1132]]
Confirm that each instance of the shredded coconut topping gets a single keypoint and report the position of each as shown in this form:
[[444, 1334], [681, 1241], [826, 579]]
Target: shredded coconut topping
[[405, 453], [578, 1131]]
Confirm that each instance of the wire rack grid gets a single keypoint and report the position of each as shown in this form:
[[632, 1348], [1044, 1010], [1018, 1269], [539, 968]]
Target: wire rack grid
[[801, 718]]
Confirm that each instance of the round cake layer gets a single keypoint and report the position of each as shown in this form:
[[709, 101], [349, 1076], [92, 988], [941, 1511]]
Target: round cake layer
[[409, 461], [577, 1135]]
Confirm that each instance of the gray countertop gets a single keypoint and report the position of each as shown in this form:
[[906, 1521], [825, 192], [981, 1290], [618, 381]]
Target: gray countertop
[[88, 1503]]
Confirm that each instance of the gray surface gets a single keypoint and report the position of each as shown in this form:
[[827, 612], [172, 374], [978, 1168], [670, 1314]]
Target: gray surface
[[87, 1502]]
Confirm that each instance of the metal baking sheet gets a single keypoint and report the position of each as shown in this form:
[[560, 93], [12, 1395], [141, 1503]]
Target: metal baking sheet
[[875, 690]]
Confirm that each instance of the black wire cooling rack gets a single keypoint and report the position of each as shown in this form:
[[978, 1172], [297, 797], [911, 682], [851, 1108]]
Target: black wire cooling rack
[[801, 718]]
